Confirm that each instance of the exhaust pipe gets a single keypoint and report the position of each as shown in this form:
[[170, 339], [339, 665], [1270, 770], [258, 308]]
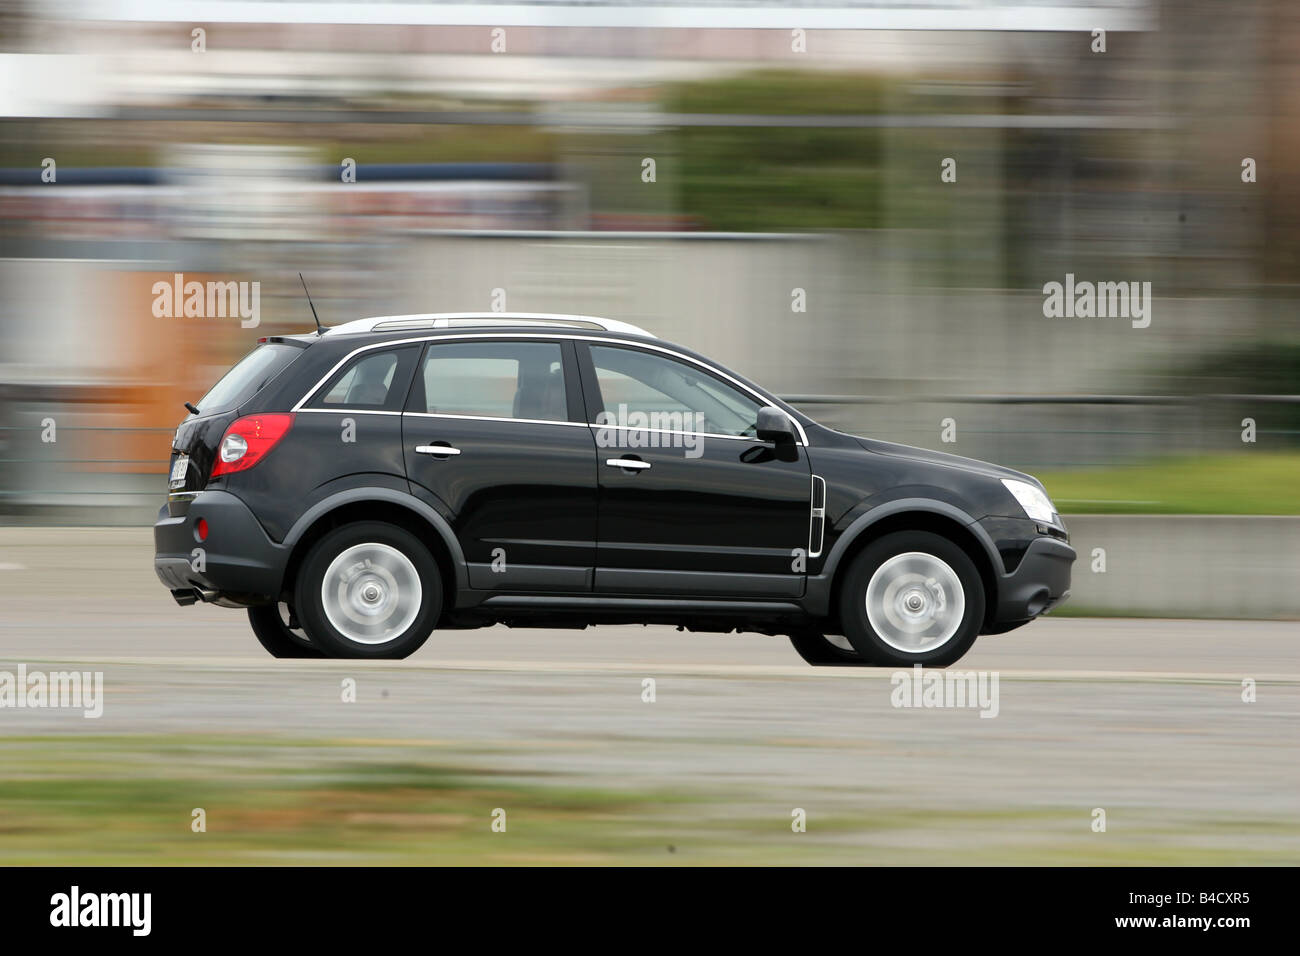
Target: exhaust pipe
[[187, 596]]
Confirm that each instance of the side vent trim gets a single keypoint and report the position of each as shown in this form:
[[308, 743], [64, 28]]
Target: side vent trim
[[817, 516]]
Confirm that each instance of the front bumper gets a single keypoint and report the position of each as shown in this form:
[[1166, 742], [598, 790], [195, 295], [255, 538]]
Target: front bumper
[[237, 562], [1040, 582]]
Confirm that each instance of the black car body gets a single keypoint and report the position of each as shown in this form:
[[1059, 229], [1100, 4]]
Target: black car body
[[523, 458]]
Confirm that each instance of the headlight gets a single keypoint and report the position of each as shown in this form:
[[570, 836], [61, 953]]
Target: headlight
[[1032, 498]]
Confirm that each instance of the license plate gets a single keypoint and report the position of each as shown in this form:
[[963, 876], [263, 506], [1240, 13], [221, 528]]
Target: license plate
[[182, 465]]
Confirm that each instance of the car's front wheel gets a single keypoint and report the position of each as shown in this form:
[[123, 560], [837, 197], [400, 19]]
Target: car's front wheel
[[912, 597], [369, 590]]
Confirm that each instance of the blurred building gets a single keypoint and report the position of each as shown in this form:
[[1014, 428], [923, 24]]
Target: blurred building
[[797, 223]]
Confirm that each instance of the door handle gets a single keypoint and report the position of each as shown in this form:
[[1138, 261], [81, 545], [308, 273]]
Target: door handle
[[436, 450], [630, 463]]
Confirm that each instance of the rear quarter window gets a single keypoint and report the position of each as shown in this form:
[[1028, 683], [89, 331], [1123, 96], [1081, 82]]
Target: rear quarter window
[[376, 381]]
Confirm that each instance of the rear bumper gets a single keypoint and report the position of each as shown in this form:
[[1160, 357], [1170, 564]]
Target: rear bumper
[[236, 563], [1040, 582]]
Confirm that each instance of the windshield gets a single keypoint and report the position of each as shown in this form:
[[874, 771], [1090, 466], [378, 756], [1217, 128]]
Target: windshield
[[248, 376]]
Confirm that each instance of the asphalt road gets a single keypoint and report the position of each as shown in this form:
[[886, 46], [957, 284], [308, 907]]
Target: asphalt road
[[1142, 718]]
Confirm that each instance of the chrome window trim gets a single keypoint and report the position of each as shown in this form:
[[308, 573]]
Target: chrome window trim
[[672, 431], [493, 418], [347, 411], [515, 336]]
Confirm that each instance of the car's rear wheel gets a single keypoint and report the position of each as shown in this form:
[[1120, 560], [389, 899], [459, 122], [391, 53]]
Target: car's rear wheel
[[369, 590], [912, 597], [826, 650], [272, 630]]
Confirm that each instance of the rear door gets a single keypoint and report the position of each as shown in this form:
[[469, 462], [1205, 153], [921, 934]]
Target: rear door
[[690, 501], [494, 437]]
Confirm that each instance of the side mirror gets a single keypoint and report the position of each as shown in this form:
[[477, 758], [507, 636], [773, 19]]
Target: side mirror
[[774, 425]]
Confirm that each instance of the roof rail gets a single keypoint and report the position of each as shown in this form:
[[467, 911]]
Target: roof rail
[[468, 320]]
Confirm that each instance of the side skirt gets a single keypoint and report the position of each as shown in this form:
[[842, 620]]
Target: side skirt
[[580, 611]]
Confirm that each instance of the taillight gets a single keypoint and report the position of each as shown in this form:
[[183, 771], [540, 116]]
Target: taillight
[[248, 440]]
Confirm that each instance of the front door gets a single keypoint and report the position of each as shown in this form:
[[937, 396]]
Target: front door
[[690, 500]]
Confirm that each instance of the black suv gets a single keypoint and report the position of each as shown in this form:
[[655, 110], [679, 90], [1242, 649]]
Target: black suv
[[357, 488]]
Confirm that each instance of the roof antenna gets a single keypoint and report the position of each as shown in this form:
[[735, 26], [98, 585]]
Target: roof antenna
[[319, 330]]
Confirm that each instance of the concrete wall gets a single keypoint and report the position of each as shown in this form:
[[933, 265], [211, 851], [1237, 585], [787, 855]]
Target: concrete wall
[[875, 322], [1188, 565], [868, 331]]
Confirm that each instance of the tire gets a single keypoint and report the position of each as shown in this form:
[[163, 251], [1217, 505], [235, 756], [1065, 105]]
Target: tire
[[822, 651], [1004, 628], [274, 634], [926, 601], [369, 590]]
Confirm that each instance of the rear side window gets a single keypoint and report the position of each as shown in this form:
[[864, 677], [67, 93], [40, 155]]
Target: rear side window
[[522, 380], [248, 376], [373, 381]]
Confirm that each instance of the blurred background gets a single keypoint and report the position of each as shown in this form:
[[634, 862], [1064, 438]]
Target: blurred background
[[767, 181], [795, 224]]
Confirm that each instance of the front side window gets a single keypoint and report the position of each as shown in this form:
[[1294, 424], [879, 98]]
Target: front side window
[[374, 381], [644, 390], [523, 380]]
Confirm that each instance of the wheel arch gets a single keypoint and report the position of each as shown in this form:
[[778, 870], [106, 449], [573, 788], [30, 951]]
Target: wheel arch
[[379, 504], [913, 514]]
